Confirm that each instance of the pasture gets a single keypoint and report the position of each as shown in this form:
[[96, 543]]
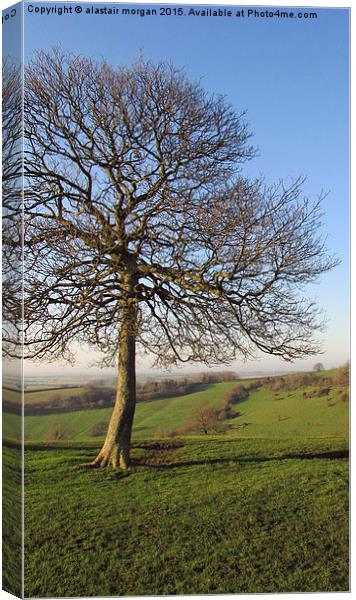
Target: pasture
[[262, 508], [268, 414], [217, 515]]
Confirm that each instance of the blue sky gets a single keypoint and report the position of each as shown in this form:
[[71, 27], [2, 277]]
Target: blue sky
[[291, 76]]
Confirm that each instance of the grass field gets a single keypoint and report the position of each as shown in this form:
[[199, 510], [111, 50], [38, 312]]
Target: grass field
[[259, 509], [11, 395], [167, 413], [268, 414], [11, 518], [213, 516], [44, 396]]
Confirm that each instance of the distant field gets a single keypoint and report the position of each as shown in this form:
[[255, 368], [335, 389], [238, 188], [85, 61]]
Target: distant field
[[165, 413], [44, 396], [39, 395], [268, 415], [10, 395], [287, 414]]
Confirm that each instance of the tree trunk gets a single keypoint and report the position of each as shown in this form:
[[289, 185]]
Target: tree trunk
[[116, 448]]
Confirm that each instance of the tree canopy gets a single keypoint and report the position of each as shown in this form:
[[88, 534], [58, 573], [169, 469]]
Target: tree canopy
[[139, 168], [12, 170], [140, 228]]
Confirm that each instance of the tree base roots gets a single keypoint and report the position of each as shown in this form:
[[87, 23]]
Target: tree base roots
[[114, 458]]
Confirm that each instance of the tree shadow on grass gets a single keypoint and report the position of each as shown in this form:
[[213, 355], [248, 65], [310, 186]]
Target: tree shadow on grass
[[44, 446], [88, 448], [154, 463], [167, 460]]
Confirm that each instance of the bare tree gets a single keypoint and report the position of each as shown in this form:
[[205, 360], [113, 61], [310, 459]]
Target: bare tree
[[140, 228], [12, 135], [318, 367], [205, 419]]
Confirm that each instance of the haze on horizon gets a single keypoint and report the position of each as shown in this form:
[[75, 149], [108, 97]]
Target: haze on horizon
[[335, 355]]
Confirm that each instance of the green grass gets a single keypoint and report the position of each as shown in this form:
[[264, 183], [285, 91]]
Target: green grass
[[11, 426], [167, 413], [44, 396], [11, 519], [214, 516], [268, 414], [259, 509], [11, 396], [287, 414]]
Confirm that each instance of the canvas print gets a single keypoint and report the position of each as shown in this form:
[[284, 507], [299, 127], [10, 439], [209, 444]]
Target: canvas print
[[175, 299]]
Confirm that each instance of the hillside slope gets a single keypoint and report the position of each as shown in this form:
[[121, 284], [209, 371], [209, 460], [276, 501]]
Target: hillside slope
[[267, 414]]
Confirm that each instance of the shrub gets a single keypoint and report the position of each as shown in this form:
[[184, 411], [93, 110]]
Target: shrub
[[99, 428], [161, 434], [55, 399], [237, 394], [227, 412], [205, 419], [318, 393], [228, 376], [187, 427], [207, 377], [255, 385], [58, 431], [342, 375]]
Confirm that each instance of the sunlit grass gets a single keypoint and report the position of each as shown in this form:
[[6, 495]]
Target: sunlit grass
[[268, 414], [258, 509], [213, 516]]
